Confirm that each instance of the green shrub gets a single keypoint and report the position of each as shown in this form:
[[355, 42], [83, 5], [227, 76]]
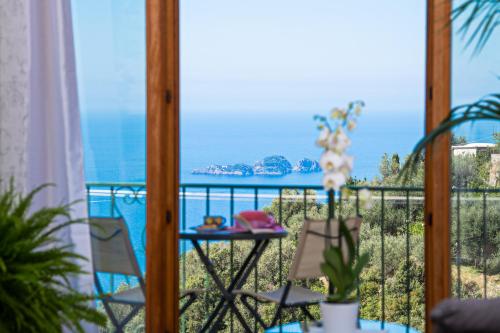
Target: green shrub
[[35, 293]]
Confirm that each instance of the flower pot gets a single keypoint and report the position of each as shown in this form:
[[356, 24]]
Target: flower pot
[[339, 317]]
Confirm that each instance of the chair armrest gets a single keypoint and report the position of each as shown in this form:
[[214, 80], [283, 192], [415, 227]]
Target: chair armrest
[[251, 294], [192, 293], [460, 316]]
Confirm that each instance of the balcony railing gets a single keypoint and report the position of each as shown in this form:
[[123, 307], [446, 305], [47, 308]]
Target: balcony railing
[[392, 289]]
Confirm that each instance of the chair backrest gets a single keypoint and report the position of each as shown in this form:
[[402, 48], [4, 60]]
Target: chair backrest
[[315, 236], [111, 248]]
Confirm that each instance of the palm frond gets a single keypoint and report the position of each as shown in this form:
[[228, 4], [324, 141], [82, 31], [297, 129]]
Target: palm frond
[[481, 17], [487, 108]]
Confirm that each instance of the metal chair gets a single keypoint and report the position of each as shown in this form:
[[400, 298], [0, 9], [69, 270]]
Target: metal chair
[[315, 236], [112, 253]]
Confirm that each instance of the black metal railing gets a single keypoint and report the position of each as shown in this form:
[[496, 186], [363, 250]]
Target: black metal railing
[[391, 289], [313, 199], [475, 242]]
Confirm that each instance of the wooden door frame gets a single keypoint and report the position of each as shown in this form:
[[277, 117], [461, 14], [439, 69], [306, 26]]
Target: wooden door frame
[[162, 21], [437, 158], [162, 253]]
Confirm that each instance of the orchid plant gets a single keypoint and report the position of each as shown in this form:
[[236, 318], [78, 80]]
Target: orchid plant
[[337, 166]]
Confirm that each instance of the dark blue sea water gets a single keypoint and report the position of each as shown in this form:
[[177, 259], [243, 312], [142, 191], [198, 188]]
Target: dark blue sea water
[[115, 143]]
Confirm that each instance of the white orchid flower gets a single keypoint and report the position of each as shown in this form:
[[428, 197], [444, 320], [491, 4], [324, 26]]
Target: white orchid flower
[[347, 165], [365, 199], [358, 109], [348, 161], [338, 141], [322, 140], [336, 113], [330, 161], [336, 164], [351, 125], [342, 139], [333, 181]]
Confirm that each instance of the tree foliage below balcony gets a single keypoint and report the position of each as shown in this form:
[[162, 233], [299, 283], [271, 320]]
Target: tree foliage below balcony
[[35, 292]]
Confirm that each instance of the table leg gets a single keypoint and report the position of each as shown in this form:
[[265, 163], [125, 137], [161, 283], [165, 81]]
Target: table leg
[[227, 296], [246, 266], [233, 283], [245, 271]]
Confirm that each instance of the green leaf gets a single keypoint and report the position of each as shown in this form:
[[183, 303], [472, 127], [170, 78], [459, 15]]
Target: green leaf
[[360, 264], [481, 16], [347, 236], [35, 269], [334, 258]]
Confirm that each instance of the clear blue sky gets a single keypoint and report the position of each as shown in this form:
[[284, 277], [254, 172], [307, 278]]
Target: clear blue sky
[[279, 55]]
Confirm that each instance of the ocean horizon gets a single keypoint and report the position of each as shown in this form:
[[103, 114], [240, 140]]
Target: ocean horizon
[[115, 143]]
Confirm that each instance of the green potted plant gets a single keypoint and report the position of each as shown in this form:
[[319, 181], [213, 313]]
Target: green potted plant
[[35, 293], [339, 312]]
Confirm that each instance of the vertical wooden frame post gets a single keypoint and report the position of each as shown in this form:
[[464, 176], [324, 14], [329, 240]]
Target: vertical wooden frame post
[[437, 158], [162, 273]]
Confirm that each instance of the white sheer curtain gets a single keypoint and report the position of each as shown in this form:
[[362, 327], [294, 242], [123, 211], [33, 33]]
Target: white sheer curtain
[[40, 136]]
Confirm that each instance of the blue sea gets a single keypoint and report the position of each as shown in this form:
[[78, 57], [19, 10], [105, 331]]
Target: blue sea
[[115, 143]]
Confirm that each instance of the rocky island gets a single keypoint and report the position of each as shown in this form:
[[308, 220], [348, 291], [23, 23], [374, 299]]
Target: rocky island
[[306, 165], [272, 166], [275, 165], [242, 170]]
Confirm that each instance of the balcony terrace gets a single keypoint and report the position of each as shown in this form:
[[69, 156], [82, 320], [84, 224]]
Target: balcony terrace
[[392, 287]]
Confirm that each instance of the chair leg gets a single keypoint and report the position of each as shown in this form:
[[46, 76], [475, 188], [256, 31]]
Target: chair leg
[[282, 303], [191, 299], [129, 317], [111, 315], [277, 315], [253, 312], [119, 325], [307, 313]]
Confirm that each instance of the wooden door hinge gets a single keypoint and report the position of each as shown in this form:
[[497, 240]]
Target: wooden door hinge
[[168, 96]]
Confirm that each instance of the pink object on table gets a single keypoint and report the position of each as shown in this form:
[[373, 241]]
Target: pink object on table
[[254, 219]]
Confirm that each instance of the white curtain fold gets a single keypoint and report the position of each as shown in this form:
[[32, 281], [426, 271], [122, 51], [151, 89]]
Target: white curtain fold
[[40, 133]]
